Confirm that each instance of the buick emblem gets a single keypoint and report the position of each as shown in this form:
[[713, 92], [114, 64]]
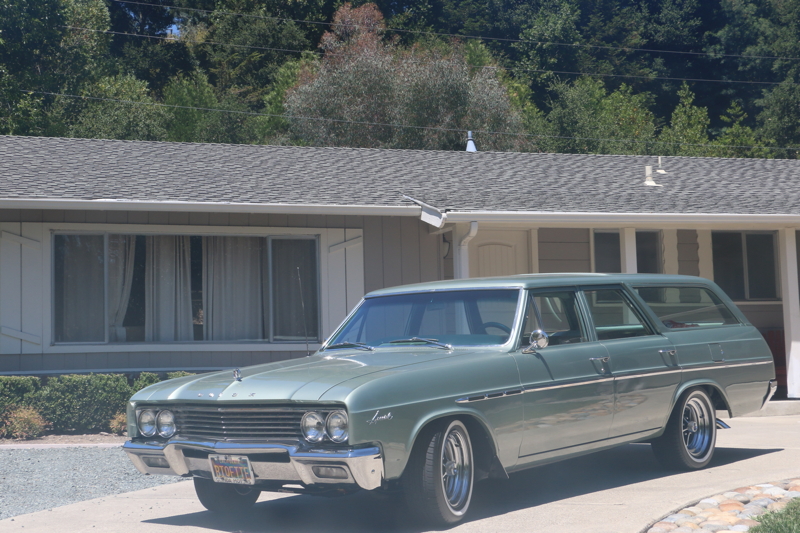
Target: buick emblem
[[237, 374]]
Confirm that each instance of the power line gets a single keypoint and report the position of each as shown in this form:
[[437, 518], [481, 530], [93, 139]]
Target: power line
[[429, 128], [475, 37], [524, 69]]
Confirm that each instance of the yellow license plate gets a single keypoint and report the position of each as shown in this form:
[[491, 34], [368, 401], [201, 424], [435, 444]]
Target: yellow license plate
[[231, 469]]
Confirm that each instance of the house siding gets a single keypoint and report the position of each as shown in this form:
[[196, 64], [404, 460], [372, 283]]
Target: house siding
[[688, 253], [564, 250]]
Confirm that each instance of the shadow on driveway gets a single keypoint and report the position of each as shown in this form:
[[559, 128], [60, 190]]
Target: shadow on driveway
[[366, 512]]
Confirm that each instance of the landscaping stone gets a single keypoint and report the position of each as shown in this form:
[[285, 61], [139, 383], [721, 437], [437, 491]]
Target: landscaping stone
[[732, 511]]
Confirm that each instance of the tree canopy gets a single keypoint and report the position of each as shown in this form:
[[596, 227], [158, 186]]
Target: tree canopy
[[671, 77]]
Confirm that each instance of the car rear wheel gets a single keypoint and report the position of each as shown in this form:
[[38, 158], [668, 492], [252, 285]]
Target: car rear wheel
[[691, 433], [440, 474], [224, 497]]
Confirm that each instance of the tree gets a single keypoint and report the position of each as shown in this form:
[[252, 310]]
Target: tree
[[111, 119], [687, 133], [368, 93], [779, 118], [739, 140]]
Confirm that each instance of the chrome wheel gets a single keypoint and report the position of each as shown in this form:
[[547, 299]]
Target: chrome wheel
[[456, 469], [698, 427], [690, 434]]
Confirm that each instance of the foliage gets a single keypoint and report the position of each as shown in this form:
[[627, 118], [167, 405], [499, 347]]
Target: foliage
[[785, 521], [179, 374], [687, 133], [118, 423], [135, 117], [16, 390], [82, 403], [145, 379], [372, 94], [23, 423]]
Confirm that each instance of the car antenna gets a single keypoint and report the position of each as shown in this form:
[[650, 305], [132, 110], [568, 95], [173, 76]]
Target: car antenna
[[303, 307]]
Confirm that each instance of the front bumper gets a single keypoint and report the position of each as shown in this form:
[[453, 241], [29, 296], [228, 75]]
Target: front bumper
[[273, 464]]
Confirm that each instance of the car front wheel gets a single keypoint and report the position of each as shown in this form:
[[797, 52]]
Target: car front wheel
[[224, 497], [691, 433], [440, 474]]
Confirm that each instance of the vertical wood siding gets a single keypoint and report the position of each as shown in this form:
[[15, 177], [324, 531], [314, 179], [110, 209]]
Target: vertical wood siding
[[564, 250]]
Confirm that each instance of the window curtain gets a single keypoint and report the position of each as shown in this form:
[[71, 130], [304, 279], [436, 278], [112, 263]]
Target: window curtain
[[233, 274], [168, 289], [296, 314], [121, 253], [79, 288]]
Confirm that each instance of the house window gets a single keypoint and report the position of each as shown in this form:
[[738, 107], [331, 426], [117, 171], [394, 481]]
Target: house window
[[181, 288], [607, 252], [745, 264]]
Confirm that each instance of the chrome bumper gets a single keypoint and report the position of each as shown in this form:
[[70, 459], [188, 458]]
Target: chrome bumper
[[270, 462], [773, 386]]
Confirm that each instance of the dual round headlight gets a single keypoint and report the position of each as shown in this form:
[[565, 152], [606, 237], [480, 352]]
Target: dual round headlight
[[316, 427], [150, 422]]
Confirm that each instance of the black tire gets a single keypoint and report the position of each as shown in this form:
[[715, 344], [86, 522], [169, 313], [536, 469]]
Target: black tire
[[691, 433], [225, 497], [440, 474]]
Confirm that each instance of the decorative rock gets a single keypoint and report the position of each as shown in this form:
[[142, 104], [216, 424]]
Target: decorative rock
[[747, 522], [743, 498], [714, 526], [738, 527], [762, 502], [656, 530], [741, 490], [706, 505], [730, 494], [674, 517], [685, 529], [774, 491], [730, 505], [794, 492], [691, 520], [691, 511], [777, 506], [719, 498]]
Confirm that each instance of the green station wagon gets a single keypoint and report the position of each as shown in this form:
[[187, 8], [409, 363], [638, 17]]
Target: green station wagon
[[428, 388]]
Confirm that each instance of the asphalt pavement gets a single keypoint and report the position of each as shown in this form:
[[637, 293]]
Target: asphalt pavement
[[617, 491]]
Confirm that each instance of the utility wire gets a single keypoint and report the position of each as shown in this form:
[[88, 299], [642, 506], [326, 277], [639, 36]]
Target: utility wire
[[475, 37], [515, 69], [429, 128]]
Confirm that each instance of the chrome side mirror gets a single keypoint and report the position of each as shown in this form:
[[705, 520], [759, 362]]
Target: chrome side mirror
[[538, 340]]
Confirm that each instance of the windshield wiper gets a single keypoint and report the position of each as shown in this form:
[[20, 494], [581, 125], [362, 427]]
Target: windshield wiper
[[426, 341], [359, 345]]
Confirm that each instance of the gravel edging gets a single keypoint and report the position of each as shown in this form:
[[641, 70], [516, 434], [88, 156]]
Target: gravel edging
[[37, 479], [728, 512]]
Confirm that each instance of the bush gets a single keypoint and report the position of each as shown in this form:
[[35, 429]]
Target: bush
[[179, 374], [118, 424], [145, 379], [82, 403], [785, 521], [24, 423], [16, 390]]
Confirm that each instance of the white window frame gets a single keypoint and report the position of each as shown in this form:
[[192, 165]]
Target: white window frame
[[743, 234]]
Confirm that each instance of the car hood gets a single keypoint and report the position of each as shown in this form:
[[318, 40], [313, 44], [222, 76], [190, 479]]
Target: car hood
[[305, 379]]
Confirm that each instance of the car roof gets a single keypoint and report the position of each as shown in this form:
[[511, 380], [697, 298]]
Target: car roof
[[529, 281]]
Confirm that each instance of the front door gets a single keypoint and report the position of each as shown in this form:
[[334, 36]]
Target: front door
[[641, 360], [569, 395]]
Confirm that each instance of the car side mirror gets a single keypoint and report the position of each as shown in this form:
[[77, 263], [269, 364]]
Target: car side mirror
[[538, 340]]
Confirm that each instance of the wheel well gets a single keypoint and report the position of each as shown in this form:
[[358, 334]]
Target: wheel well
[[718, 400], [483, 449]]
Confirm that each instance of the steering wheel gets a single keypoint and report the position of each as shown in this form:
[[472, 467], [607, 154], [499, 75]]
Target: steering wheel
[[497, 325]]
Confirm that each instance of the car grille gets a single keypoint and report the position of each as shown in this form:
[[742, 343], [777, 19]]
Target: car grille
[[239, 423]]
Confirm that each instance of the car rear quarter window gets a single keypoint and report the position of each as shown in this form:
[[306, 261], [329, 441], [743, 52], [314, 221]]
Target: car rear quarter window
[[686, 307]]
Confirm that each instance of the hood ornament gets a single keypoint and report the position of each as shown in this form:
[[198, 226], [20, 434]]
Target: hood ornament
[[237, 374]]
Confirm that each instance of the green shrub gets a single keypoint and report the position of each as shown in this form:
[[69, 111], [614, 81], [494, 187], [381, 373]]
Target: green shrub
[[179, 374], [16, 390], [145, 379], [24, 423], [82, 403], [785, 521]]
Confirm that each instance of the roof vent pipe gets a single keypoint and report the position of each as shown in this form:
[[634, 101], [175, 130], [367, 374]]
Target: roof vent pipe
[[648, 177], [470, 143]]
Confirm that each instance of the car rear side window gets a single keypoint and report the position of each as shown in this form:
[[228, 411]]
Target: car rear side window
[[687, 307], [613, 315], [555, 313]]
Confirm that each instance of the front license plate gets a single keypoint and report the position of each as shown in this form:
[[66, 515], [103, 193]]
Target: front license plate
[[231, 469]]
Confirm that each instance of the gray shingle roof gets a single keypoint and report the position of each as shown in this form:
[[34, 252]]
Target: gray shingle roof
[[87, 169]]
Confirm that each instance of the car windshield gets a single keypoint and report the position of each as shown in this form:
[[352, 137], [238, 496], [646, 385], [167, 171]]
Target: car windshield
[[466, 318]]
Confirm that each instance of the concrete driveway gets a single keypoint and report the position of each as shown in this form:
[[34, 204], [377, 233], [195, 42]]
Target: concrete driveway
[[617, 491]]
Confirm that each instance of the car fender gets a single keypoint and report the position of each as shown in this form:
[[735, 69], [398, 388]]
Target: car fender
[[703, 382]]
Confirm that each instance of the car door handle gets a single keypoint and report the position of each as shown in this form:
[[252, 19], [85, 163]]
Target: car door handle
[[603, 364], [672, 354]]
